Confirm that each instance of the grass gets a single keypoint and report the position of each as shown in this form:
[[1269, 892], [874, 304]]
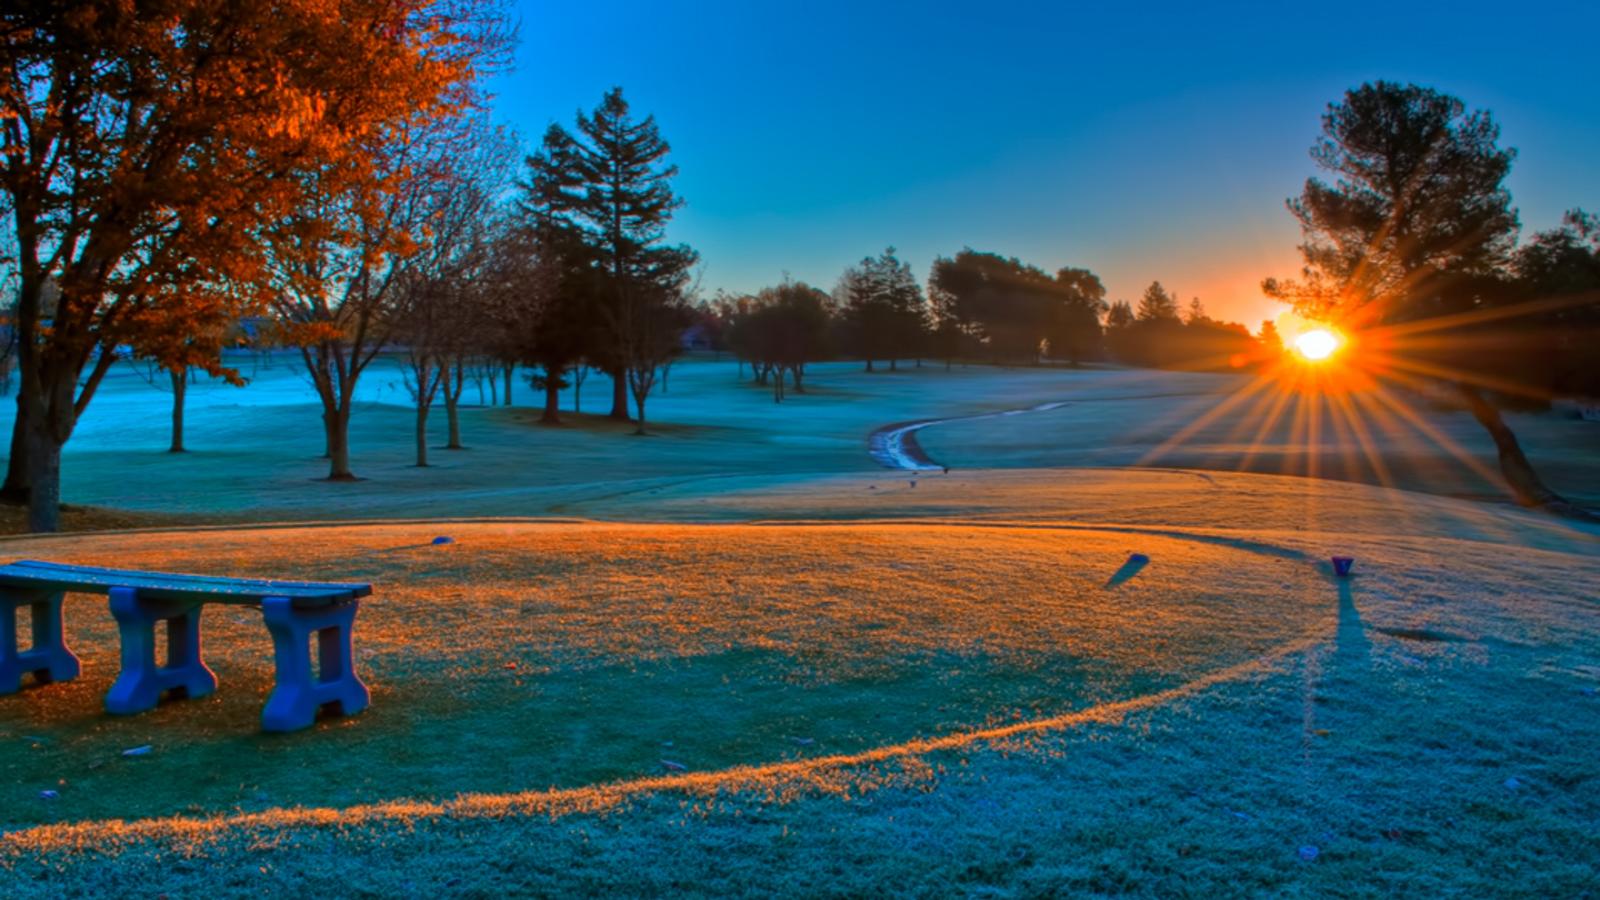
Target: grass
[[255, 452], [566, 655], [902, 706], [872, 686]]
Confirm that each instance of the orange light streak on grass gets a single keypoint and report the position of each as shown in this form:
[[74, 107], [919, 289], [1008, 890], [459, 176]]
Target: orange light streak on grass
[[839, 775]]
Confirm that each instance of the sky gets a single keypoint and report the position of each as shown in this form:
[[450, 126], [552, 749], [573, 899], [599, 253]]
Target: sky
[[1153, 141]]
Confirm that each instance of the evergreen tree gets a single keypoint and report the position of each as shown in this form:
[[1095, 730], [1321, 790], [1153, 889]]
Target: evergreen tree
[[1157, 305], [611, 185], [1417, 224], [884, 309], [1120, 315]]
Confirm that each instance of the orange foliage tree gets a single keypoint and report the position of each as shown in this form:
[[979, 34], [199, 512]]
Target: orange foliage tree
[[145, 147]]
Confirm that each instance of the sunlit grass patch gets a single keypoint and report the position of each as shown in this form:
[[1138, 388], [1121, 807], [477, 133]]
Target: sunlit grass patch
[[562, 655]]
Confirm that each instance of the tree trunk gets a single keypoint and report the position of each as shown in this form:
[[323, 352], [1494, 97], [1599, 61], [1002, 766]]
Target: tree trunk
[[640, 381], [422, 436], [1524, 482], [44, 499], [799, 373], [869, 364], [552, 398], [15, 489], [619, 395], [894, 365], [180, 388], [510, 369], [52, 397], [336, 427], [451, 382]]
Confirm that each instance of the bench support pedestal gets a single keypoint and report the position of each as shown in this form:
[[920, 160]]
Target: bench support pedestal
[[48, 659], [143, 680], [299, 695]]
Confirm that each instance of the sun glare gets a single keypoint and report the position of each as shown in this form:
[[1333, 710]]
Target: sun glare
[[1316, 345]]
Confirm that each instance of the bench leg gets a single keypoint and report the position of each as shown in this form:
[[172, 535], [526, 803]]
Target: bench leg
[[298, 695], [48, 659], [143, 680]]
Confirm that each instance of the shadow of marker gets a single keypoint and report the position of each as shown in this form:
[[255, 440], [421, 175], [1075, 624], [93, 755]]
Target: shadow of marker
[[384, 551], [1136, 562], [1350, 640]]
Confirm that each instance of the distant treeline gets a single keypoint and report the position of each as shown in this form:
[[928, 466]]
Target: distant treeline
[[980, 307]]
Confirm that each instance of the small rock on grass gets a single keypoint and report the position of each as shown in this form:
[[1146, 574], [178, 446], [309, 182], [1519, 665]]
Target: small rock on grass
[[671, 766], [138, 751], [1308, 852], [49, 795]]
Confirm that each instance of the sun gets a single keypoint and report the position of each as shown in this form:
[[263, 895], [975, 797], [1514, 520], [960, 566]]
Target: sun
[[1317, 345]]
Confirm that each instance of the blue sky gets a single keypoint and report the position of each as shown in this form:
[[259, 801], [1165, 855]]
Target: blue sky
[[1152, 141]]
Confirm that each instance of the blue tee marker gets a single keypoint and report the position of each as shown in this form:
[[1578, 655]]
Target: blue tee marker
[[1342, 564]]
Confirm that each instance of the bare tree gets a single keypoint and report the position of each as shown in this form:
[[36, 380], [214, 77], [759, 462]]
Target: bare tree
[[648, 332], [442, 301]]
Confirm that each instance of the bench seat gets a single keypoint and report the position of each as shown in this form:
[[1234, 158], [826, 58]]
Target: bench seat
[[32, 573], [295, 612]]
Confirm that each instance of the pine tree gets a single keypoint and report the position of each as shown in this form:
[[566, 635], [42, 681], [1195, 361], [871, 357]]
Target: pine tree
[[1417, 224], [611, 184], [1157, 305], [884, 308]]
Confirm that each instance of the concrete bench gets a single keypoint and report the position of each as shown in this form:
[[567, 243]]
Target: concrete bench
[[295, 611]]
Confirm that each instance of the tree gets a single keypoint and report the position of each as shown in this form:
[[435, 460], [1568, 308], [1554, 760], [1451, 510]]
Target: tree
[[185, 348], [1558, 273], [1120, 320], [884, 309], [649, 331], [1195, 314], [144, 146], [611, 187], [342, 261], [1074, 331], [781, 330], [444, 297], [1120, 315], [1156, 305], [1417, 225], [557, 271], [1271, 340], [1002, 304]]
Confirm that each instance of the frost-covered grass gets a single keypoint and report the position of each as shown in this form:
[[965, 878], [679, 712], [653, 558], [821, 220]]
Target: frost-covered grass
[[569, 654], [985, 713], [872, 682], [255, 450]]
